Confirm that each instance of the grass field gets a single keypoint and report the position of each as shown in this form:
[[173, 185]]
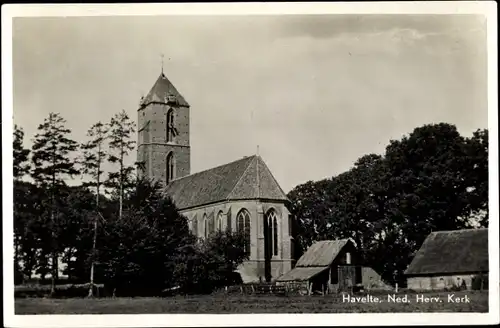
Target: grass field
[[248, 304]]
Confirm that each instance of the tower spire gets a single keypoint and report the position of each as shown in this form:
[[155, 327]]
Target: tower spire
[[161, 63]]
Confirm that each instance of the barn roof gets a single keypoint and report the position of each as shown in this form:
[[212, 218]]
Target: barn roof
[[246, 178], [162, 88], [456, 251], [322, 253], [302, 274], [315, 260]]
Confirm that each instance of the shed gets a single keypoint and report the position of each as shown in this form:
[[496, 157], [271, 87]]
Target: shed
[[327, 265], [450, 260]]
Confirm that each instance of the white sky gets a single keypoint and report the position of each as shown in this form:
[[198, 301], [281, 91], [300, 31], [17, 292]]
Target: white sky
[[314, 92]]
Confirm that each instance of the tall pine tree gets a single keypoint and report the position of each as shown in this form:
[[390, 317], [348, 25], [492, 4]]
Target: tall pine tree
[[52, 150], [93, 158], [120, 144], [21, 190], [21, 165]]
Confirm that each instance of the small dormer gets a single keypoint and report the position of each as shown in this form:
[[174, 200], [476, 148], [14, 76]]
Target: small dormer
[[171, 99]]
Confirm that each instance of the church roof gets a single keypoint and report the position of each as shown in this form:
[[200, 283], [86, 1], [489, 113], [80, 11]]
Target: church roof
[[162, 88], [247, 178]]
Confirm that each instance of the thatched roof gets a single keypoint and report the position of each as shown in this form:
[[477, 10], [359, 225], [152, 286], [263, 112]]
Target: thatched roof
[[459, 251], [244, 179], [161, 89], [318, 257]]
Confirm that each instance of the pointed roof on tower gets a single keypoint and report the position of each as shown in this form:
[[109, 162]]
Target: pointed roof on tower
[[161, 90]]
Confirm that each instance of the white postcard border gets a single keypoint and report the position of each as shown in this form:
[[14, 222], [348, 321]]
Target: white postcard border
[[487, 8]]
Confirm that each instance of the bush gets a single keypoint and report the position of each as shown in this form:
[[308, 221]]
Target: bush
[[210, 264], [61, 291]]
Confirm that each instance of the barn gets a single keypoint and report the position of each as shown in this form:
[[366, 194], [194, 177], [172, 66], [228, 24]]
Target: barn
[[325, 266], [330, 266], [451, 260]]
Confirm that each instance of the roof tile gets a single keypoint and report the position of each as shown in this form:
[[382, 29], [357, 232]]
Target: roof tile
[[233, 181], [161, 89]]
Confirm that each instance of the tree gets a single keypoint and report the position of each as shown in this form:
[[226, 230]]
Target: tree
[[21, 164], [76, 206], [476, 148], [21, 167], [93, 157], [136, 252], [208, 264], [120, 144], [52, 150], [433, 179], [28, 206], [307, 202]]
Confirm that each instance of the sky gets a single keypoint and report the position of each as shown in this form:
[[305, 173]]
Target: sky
[[314, 93]]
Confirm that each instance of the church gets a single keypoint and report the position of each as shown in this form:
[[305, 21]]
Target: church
[[240, 196]]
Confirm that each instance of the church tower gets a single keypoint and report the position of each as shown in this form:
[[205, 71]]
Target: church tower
[[163, 150]]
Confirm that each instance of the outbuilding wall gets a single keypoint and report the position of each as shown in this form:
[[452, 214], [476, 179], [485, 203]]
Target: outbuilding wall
[[441, 282]]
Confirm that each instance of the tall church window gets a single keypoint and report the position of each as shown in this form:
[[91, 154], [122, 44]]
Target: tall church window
[[211, 224], [229, 225], [195, 225], [272, 233], [170, 167], [275, 235], [243, 221], [205, 225], [219, 221], [171, 132]]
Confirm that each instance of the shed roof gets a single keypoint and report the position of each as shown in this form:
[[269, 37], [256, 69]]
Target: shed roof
[[301, 273], [246, 178], [456, 251], [322, 253]]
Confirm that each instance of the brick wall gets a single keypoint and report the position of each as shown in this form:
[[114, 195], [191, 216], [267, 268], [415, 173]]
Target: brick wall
[[152, 141], [252, 269]]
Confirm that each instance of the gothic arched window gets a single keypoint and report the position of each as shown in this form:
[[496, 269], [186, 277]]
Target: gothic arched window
[[195, 225], [243, 221], [272, 226], [170, 167], [219, 221], [170, 125], [211, 224], [205, 226]]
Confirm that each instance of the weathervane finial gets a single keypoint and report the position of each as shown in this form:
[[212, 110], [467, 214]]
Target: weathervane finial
[[161, 64]]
